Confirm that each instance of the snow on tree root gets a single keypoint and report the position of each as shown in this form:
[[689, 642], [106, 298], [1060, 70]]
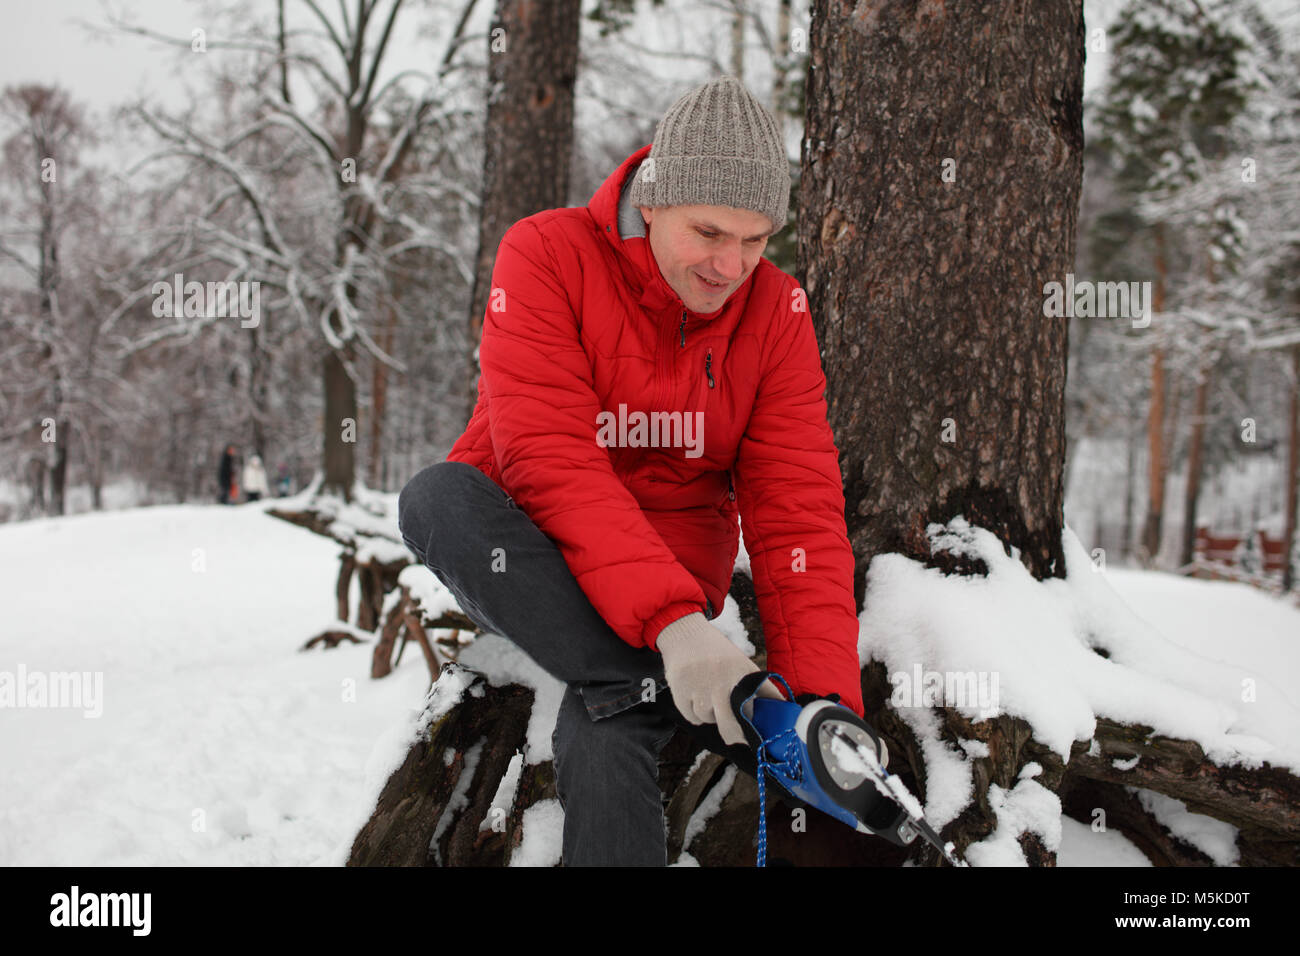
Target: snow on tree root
[[1087, 690]]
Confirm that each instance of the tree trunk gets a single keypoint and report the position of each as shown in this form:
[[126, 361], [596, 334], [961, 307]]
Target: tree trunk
[[1130, 479], [528, 137], [59, 472], [1195, 463], [340, 425], [1156, 458], [93, 450], [259, 374], [782, 40], [36, 472], [940, 192], [1291, 485], [738, 39], [931, 291], [379, 400]]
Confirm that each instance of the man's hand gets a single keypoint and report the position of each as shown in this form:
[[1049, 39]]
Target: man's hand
[[702, 667]]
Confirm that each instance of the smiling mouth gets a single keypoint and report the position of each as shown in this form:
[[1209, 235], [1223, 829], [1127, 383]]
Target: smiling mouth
[[710, 285]]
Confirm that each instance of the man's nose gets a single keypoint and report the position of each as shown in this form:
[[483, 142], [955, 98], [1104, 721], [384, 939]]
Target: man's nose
[[729, 263]]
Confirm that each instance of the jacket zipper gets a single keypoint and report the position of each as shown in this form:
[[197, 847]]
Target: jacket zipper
[[731, 489], [708, 364], [682, 329]]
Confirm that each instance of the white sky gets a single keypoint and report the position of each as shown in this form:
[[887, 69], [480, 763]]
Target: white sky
[[47, 41]]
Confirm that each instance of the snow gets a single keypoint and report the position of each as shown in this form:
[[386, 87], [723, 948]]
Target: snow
[[1081, 845], [458, 799], [504, 799], [1028, 807], [430, 593], [1232, 623], [730, 624], [710, 805], [220, 743], [543, 839], [1038, 640], [501, 662], [1215, 838]]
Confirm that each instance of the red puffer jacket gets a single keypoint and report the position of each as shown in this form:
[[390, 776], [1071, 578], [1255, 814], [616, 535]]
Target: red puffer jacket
[[580, 322]]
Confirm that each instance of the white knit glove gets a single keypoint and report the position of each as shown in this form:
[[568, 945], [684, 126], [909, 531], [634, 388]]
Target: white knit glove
[[702, 668]]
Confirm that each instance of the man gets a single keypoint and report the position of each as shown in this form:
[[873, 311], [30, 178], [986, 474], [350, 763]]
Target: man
[[647, 377]]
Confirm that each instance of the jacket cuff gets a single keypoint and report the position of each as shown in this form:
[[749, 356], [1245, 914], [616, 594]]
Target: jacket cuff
[[673, 612]]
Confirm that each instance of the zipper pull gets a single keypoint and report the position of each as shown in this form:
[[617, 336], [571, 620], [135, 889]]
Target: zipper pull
[[708, 362], [731, 489], [683, 330]]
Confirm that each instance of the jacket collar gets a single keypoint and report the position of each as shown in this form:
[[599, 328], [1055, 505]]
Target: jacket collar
[[654, 292]]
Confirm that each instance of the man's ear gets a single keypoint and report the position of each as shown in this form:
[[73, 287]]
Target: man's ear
[[647, 214]]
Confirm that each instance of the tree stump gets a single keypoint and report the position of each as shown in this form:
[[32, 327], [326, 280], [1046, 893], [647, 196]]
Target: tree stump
[[431, 809]]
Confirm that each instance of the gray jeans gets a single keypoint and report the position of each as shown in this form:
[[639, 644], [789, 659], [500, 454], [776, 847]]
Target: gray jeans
[[607, 739]]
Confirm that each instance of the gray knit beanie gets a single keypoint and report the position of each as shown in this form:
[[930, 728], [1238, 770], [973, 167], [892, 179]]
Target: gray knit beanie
[[717, 146]]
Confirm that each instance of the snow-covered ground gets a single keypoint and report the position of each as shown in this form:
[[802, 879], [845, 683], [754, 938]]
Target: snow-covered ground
[[219, 743], [213, 740]]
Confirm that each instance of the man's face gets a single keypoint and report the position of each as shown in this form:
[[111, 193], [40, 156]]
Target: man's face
[[692, 244]]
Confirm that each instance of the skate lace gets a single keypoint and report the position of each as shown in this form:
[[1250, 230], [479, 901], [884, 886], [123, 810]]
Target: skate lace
[[786, 744]]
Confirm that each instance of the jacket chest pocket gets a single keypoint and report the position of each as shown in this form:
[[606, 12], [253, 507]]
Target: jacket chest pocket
[[708, 392]]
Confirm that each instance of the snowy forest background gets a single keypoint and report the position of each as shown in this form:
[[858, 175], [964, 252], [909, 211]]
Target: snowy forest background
[[1190, 183]]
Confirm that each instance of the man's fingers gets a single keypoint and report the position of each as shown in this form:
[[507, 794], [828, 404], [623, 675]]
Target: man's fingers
[[687, 708], [729, 727]]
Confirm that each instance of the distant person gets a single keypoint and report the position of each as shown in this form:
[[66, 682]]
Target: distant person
[[255, 479], [283, 483], [226, 476]]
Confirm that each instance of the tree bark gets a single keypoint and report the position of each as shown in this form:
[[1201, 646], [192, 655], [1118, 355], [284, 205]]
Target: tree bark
[[1195, 464], [942, 171], [738, 39], [259, 378], [1130, 479], [480, 735], [59, 472], [528, 137], [1291, 486], [340, 424], [379, 399], [1156, 449], [931, 292]]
